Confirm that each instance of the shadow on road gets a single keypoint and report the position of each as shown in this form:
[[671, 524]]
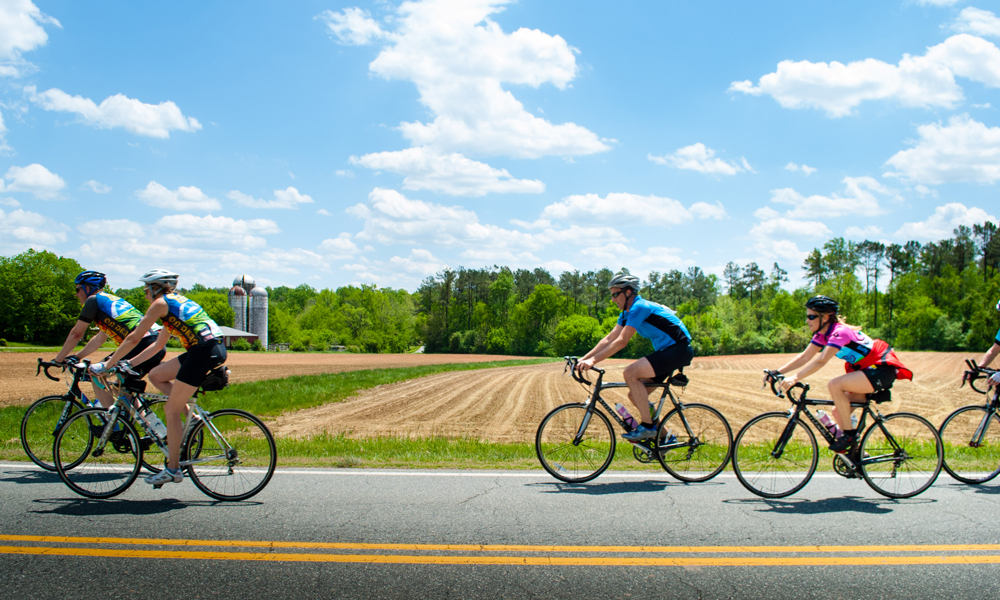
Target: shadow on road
[[98, 508], [30, 476], [603, 489], [855, 504]]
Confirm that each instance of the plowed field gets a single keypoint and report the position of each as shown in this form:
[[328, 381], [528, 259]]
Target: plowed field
[[506, 404]]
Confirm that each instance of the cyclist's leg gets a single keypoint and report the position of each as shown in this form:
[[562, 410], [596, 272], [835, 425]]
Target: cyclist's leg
[[104, 396], [637, 375], [843, 389]]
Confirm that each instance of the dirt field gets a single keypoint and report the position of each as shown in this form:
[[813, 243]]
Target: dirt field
[[19, 385], [506, 404]]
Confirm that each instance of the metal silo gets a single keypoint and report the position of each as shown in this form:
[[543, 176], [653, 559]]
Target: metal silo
[[238, 302], [258, 314]]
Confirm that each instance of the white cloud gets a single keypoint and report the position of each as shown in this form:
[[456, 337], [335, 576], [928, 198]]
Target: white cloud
[[772, 224], [153, 120], [344, 173], [339, 247], [9, 202], [420, 262], [352, 26], [324, 212], [96, 186], [183, 198], [698, 157], [962, 150], [20, 31], [459, 59], [943, 222], [780, 251], [872, 232], [665, 211], [859, 199], [453, 174], [34, 179], [923, 81], [20, 230], [289, 198], [4, 148], [977, 22], [806, 169], [616, 255]]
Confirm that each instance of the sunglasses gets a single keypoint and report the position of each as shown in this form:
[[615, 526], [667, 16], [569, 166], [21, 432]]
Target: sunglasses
[[616, 294], [813, 317]]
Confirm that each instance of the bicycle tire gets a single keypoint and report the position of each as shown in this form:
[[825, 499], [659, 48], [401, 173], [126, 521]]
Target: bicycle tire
[[236, 472], [40, 425], [708, 447], [919, 455], [968, 464], [756, 467], [106, 472], [569, 462]]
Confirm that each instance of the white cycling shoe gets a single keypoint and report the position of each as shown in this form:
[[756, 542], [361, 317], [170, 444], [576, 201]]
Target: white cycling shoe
[[165, 476]]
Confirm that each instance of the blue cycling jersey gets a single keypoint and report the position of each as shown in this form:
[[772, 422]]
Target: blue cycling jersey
[[655, 322], [997, 340]]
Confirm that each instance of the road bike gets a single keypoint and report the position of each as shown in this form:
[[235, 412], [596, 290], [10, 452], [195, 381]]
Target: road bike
[[575, 442], [775, 454], [43, 419], [971, 434], [229, 454]]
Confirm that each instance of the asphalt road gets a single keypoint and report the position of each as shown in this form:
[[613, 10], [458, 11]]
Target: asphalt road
[[469, 535]]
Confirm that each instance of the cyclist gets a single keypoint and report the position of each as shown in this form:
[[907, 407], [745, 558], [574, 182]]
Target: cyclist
[[990, 355], [115, 318], [871, 365], [179, 377], [655, 322]]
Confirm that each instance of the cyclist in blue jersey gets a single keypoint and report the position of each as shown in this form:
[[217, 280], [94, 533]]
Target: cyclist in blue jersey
[[990, 355], [179, 377], [655, 322], [115, 319]]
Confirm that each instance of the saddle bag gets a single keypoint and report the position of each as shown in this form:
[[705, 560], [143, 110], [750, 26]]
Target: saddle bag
[[217, 379]]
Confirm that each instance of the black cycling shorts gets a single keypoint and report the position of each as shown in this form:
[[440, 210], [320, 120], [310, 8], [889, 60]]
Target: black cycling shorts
[[881, 377], [199, 360], [147, 366], [668, 360]]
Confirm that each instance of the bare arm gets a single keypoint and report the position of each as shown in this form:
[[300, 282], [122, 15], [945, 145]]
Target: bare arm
[[161, 342], [156, 310], [817, 363], [601, 352], [608, 339], [72, 339], [94, 343], [990, 355]]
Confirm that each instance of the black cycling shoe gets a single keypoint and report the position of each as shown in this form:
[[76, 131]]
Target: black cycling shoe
[[844, 443]]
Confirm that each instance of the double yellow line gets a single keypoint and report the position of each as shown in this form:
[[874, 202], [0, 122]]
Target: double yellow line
[[472, 554]]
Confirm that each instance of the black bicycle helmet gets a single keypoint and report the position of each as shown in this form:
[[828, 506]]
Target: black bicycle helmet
[[624, 281], [91, 280], [822, 304]]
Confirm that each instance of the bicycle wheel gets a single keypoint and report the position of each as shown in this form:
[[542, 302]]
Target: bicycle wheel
[[569, 461], [235, 464], [761, 469], [40, 424], [967, 457], [901, 456], [707, 442], [105, 471]]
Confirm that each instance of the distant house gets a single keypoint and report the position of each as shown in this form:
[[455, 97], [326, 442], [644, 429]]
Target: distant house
[[230, 335]]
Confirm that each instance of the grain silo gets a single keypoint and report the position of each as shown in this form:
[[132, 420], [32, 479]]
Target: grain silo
[[258, 314], [238, 302]]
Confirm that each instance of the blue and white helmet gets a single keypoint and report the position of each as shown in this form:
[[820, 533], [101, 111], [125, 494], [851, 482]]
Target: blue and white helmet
[[91, 281]]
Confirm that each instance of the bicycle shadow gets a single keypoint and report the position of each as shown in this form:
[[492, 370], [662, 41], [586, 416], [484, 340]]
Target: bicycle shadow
[[843, 504], [990, 488], [29, 476], [604, 489], [80, 507]]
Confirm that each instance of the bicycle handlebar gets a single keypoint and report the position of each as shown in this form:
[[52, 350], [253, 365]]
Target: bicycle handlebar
[[774, 378], [47, 365], [975, 373], [571, 362]]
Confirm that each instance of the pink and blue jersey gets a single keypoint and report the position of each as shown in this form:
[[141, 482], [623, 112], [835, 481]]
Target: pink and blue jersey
[[852, 345]]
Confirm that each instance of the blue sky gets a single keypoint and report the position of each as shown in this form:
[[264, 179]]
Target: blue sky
[[335, 143]]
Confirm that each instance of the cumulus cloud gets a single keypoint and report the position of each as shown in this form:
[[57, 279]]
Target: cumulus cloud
[[183, 198], [352, 26], [920, 81], [977, 22], [665, 211], [33, 179], [453, 174], [943, 222], [460, 59], [773, 224], [339, 247], [21, 31], [153, 120], [964, 150], [698, 157], [96, 186], [420, 262], [4, 148], [288, 198], [859, 198], [805, 169], [20, 230]]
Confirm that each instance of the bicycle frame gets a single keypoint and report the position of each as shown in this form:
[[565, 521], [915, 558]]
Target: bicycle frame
[[991, 406]]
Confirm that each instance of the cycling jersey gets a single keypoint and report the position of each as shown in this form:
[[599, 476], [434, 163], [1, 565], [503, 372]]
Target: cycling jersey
[[997, 340], [852, 345], [655, 322], [189, 322], [114, 316]]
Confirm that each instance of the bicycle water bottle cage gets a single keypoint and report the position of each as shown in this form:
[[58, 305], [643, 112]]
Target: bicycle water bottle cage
[[217, 379], [134, 385]]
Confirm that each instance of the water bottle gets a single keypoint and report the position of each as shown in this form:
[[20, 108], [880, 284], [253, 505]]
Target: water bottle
[[828, 423], [93, 402], [626, 416], [155, 423]]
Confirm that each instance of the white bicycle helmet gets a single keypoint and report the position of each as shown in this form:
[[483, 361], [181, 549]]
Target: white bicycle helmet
[[160, 277], [624, 281]]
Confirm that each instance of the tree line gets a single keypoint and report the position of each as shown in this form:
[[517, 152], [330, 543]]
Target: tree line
[[935, 296]]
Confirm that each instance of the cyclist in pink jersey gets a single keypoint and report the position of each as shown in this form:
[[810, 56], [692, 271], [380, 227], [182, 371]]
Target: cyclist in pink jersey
[[990, 355], [872, 365]]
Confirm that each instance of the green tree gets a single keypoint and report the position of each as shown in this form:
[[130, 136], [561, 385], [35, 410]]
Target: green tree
[[37, 297]]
